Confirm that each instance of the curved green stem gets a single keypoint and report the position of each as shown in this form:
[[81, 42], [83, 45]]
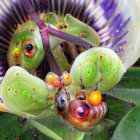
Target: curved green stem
[[45, 130]]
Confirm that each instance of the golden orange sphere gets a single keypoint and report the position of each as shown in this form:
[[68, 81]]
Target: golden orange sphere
[[50, 79], [66, 79], [95, 98]]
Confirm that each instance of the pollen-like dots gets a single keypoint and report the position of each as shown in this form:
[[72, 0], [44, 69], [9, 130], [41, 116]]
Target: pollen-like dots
[[82, 35], [9, 89], [34, 88]]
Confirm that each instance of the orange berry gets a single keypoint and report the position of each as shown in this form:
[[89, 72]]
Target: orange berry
[[50, 79], [57, 84], [95, 98], [58, 26], [66, 25], [66, 79]]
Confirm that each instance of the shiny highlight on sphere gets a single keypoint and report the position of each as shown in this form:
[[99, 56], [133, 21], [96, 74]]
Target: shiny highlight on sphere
[[95, 98]]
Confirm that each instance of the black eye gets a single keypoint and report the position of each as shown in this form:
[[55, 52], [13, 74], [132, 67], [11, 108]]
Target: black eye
[[61, 103], [81, 95], [66, 25], [62, 98], [29, 48], [61, 26], [22, 120], [15, 26], [63, 45]]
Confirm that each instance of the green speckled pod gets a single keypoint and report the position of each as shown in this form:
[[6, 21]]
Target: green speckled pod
[[97, 66], [22, 92]]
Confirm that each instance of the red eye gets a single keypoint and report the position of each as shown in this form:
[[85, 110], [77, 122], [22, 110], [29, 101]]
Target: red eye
[[81, 112], [29, 48]]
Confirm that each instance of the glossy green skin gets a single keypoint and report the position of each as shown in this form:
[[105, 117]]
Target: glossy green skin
[[22, 35], [75, 27], [97, 66], [129, 126], [23, 92], [50, 18], [92, 67]]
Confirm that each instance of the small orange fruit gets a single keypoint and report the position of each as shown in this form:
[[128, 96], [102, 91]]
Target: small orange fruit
[[50, 79], [57, 84], [66, 79], [65, 25], [95, 98], [58, 26]]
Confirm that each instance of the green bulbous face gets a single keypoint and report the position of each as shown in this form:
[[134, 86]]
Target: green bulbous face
[[23, 92], [26, 48]]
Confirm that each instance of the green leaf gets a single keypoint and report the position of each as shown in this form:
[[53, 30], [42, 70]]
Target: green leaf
[[10, 127], [116, 109], [50, 120], [98, 133], [129, 127], [129, 87], [33, 134]]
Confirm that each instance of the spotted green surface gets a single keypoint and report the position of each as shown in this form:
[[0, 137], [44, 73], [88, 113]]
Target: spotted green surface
[[129, 126], [28, 32], [76, 27], [99, 66], [50, 18], [22, 92], [129, 87], [11, 127]]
